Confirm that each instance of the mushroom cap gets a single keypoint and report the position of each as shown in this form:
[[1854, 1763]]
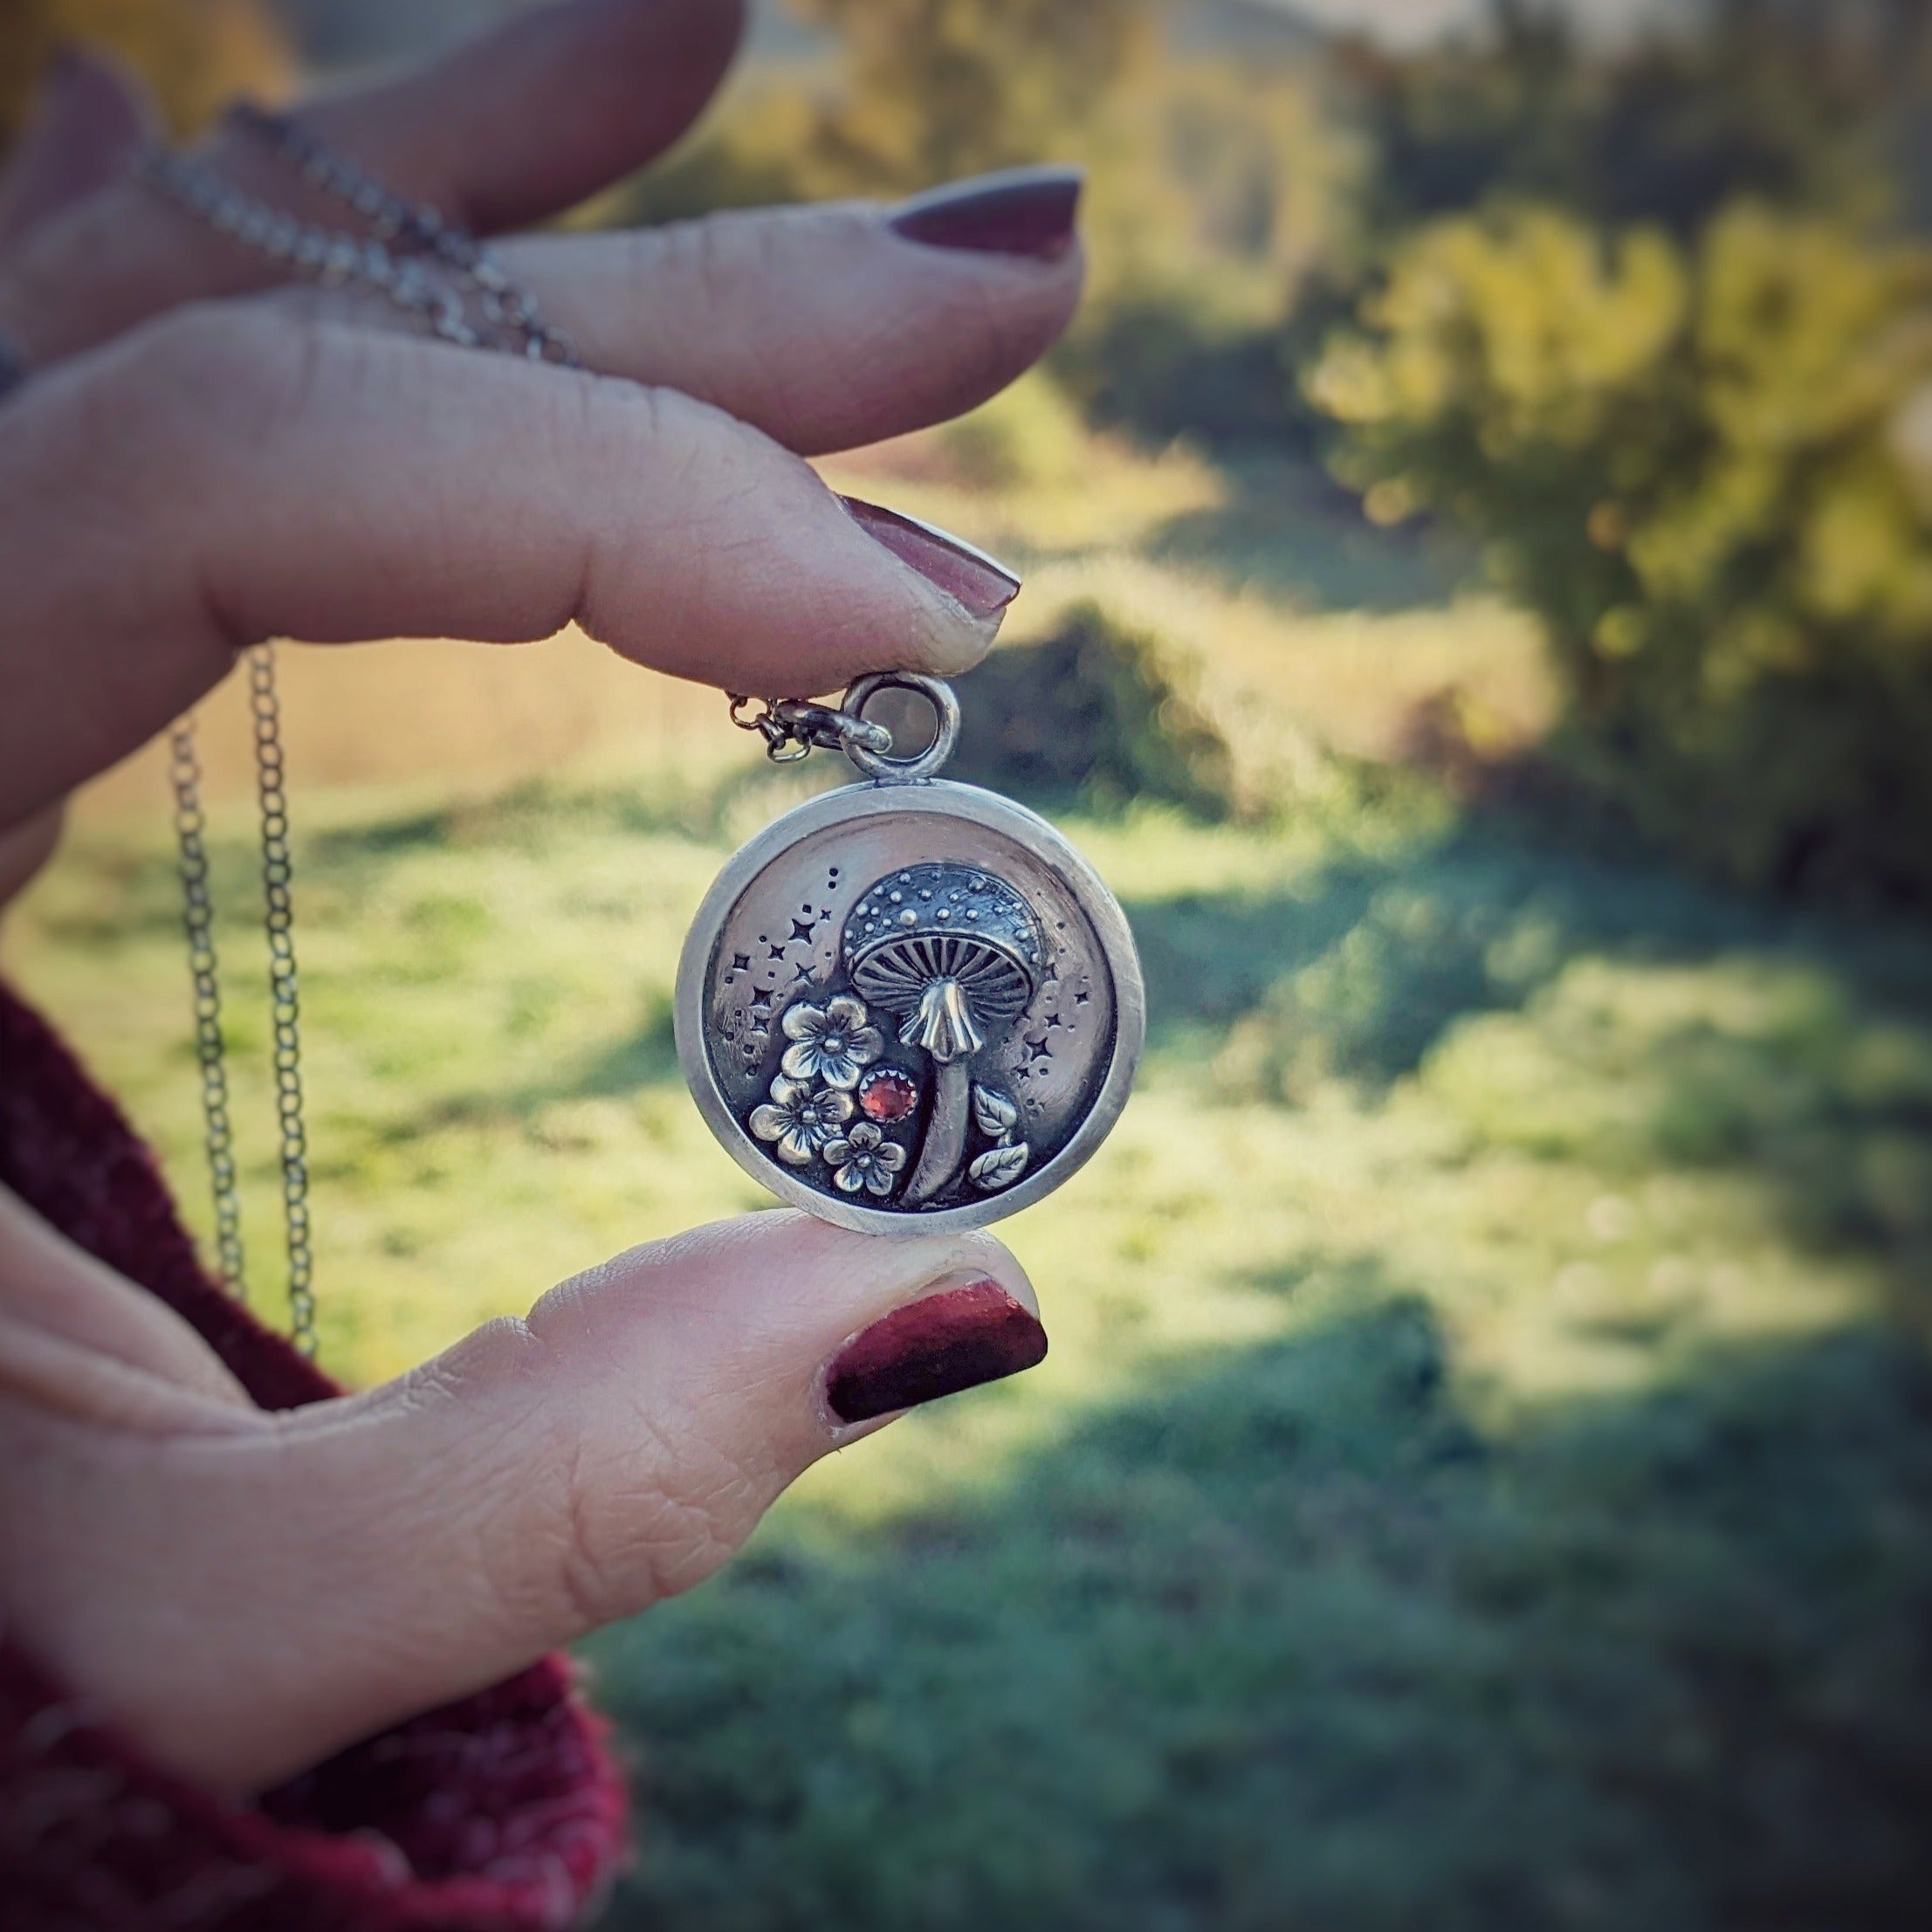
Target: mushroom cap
[[945, 922]]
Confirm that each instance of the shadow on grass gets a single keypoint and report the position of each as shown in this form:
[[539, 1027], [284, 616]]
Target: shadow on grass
[[1290, 1642], [645, 1056], [524, 815], [1286, 529], [1578, 1008], [1474, 919]]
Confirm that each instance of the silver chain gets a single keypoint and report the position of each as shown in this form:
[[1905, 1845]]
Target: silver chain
[[433, 271], [198, 920], [413, 258], [793, 727], [204, 969], [284, 1006]]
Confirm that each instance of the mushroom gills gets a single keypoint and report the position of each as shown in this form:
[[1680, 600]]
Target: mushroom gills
[[942, 1023]]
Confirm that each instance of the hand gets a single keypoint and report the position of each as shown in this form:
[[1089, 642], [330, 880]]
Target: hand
[[200, 461]]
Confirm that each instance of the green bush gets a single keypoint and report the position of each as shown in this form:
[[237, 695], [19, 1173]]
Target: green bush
[[1095, 715], [1683, 457]]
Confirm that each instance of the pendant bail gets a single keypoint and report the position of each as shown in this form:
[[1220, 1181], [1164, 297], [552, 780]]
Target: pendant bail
[[879, 764]]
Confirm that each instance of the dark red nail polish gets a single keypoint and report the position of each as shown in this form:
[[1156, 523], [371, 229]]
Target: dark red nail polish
[[985, 586], [953, 1340], [1021, 211]]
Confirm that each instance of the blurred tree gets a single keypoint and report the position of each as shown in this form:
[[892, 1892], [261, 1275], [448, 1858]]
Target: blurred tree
[[1683, 455], [1798, 100], [196, 54], [1219, 181]]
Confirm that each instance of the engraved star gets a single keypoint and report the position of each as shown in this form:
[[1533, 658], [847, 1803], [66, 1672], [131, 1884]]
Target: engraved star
[[802, 929], [800, 973], [778, 952], [1081, 998], [741, 962]]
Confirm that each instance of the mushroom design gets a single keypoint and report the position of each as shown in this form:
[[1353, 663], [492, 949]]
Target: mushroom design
[[954, 953]]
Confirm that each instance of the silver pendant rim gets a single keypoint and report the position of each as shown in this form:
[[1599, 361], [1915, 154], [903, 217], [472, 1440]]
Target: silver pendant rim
[[851, 803]]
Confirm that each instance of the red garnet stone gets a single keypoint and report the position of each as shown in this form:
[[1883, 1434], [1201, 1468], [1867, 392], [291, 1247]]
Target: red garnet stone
[[887, 1094]]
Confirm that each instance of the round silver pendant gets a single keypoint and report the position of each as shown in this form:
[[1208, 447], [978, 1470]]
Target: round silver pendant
[[909, 1004]]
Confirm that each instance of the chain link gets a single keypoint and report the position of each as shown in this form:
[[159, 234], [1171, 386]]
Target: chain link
[[198, 922], [284, 1006], [793, 727]]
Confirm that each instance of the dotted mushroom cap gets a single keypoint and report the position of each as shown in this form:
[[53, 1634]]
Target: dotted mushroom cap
[[944, 922]]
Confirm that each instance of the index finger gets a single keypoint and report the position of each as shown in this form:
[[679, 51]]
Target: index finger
[[336, 483], [533, 117]]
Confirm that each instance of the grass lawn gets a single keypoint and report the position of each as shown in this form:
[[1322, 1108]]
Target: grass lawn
[[1483, 1476]]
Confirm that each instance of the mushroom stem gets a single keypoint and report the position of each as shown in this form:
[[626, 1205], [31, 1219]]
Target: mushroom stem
[[942, 1023], [945, 1131]]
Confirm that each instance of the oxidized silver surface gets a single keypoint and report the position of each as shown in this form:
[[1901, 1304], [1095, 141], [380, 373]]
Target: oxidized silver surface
[[906, 1005]]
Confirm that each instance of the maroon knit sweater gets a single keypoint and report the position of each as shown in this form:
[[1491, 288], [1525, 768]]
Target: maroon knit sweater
[[502, 1813]]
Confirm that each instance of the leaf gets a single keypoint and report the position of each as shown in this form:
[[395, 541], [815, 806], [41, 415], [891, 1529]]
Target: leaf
[[999, 1167], [995, 1115]]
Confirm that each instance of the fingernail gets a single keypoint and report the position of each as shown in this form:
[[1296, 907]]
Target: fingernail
[[984, 585], [1021, 211], [953, 1340]]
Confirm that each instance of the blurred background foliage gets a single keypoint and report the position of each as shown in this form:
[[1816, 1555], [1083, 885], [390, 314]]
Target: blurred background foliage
[[196, 54], [1479, 618]]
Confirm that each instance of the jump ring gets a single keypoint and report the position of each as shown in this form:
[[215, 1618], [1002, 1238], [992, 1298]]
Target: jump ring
[[881, 766]]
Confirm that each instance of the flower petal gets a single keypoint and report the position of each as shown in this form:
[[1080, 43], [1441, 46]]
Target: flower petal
[[846, 1013], [836, 1152], [835, 1106], [769, 1122], [796, 1148], [878, 1180], [838, 1069], [803, 1021], [848, 1179], [865, 1044], [892, 1156], [865, 1135], [788, 1093], [801, 1061]]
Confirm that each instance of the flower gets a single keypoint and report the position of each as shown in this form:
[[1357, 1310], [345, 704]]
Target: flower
[[800, 1120], [832, 1042], [864, 1157]]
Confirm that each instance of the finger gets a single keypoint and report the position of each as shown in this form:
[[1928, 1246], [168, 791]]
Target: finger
[[420, 1542], [25, 847], [90, 118], [51, 1290], [533, 117], [826, 327], [238, 477], [512, 127]]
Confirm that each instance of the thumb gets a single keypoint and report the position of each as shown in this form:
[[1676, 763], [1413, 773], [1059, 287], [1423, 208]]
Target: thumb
[[372, 1557]]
